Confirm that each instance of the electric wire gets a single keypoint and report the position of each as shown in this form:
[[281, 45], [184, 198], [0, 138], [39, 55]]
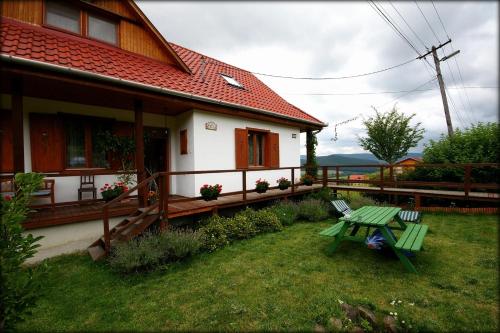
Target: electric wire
[[427, 21], [407, 93], [378, 92], [408, 25]]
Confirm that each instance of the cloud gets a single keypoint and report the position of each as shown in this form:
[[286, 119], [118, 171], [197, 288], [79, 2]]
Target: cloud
[[344, 38]]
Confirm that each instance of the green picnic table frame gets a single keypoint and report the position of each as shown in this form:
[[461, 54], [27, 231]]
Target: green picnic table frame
[[379, 218]]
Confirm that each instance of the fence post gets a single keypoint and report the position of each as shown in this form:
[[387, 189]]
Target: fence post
[[244, 184], [107, 240], [391, 173], [161, 198], [417, 201], [381, 177], [293, 180], [337, 174], [325, 176], [467, 180], [167, 194]]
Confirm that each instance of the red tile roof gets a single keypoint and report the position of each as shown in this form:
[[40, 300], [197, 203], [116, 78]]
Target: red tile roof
[[49, 46]]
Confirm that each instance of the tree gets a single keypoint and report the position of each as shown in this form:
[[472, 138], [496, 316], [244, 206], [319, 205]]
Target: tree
[[19, 286], [390, 135]]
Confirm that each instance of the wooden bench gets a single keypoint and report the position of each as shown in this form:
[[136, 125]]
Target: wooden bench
[[333, 230], [412, 238]]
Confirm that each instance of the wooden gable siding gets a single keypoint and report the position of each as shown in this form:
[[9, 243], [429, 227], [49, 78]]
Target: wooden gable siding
[[30, 11], [134, 35]]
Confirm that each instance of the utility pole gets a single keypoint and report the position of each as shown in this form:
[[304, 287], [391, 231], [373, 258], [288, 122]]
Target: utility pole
[[441, 82]]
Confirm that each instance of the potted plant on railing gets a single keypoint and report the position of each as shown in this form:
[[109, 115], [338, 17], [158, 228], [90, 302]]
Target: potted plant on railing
[[283, 183], [210, 192], [261, 186], [109, 192], [307, 180]]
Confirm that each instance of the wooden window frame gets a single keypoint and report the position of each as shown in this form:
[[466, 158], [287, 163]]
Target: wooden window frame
[[183, 142], [254, 133], [85, 10]]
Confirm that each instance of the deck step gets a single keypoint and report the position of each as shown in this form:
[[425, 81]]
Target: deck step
[[96, 252]]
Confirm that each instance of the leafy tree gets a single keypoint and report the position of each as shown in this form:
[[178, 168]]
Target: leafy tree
[[311, 162], [19, 286], [390, 135]]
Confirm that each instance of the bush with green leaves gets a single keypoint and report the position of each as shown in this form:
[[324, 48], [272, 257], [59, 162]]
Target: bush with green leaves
[[153, 249], [286, 211], [313, 210], [213, 233], [20, 286], [239, 227], [359, 201], [325, 194], [264, 220]]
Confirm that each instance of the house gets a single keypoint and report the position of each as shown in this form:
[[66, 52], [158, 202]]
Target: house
[[73, 70], [357, 177], [406, 164]]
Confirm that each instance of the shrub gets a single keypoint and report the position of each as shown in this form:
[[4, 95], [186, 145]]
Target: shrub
[[313, 210], [210, 192], [239, 227], [264, 220], [307, 179], [213, 233], [137, 254], [19, 286], [179, 244], [286, 211], [153, 249], [359, 201], [325, 194]]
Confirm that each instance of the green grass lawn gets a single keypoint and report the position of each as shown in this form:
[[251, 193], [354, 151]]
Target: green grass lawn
[[285, 281]]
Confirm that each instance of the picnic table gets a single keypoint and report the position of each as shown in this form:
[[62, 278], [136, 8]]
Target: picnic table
[[379, 218]]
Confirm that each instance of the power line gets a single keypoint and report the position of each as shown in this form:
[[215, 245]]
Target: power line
[[319, 78], [428, 24], [439, 17], [379, 92], [409, 27], [409, 92]]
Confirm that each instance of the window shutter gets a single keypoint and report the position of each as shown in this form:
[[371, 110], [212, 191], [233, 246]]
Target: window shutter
[[241, 145], [47, 143], [184, 142], [6, 154], [274, 150]]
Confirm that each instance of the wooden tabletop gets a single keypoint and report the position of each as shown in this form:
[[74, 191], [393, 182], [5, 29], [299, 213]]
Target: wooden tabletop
[[372, 215]]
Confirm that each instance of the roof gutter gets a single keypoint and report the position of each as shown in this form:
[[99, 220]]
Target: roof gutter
[[134, 84]]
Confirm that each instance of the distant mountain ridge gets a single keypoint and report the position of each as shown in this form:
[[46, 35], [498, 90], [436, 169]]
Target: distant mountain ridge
[[349, 159]]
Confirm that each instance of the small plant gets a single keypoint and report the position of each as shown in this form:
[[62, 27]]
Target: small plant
[[210, 192], [109, 192], [265, 220], [283, 183], [313, 210], [359, 201], [261, 186], [213, 233], [239, 227], [286, 211], [324, 194], [178, 244], [307, 179]]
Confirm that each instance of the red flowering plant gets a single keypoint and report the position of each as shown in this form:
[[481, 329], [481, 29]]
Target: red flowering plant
[[283, 183], [210, 192], [109, 192], [307, 179], [261, 185]]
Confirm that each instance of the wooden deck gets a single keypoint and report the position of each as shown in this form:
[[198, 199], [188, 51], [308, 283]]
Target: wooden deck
[[178, 206]]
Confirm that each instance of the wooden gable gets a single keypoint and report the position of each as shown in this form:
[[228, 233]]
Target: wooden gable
[[136, 33]]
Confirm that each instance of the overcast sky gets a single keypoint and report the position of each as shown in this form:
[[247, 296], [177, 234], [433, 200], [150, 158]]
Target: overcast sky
[[331, 39]]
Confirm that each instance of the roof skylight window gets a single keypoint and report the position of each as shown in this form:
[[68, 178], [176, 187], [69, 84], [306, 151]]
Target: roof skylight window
[[231, 81]]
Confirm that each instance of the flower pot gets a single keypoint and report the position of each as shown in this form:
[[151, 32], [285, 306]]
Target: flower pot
[[283, 187], [210, 198], [261, 190]]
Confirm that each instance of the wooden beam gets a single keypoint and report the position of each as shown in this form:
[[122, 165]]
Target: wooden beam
[[17, 124], [139, 150]]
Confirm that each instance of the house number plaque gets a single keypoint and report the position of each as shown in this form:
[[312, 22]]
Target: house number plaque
[[211, 126]]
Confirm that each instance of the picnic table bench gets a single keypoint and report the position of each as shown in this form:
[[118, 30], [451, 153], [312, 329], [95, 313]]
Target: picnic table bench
[[379, 217]]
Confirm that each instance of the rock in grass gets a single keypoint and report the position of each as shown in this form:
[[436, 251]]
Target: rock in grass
[[390, 324], [336, 323], [367, 315], [350, 311], [356, 329], [319, 329]]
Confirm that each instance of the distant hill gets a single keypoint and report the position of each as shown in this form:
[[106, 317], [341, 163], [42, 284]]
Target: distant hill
[[349, 159]]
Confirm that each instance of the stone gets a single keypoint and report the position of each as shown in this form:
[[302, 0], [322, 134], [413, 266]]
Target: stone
[[356, 329], [350, 311], [319, 328], [336, 323], [367, 315], [390, 324]]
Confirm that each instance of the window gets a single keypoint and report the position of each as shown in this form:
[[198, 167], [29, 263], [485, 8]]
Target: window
[[82, 143], [184, 142], [231, 81], [256, 148], [62, 16], [102, 29]]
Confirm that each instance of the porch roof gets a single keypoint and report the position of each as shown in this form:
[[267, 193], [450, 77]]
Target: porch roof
[[25, 41]]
